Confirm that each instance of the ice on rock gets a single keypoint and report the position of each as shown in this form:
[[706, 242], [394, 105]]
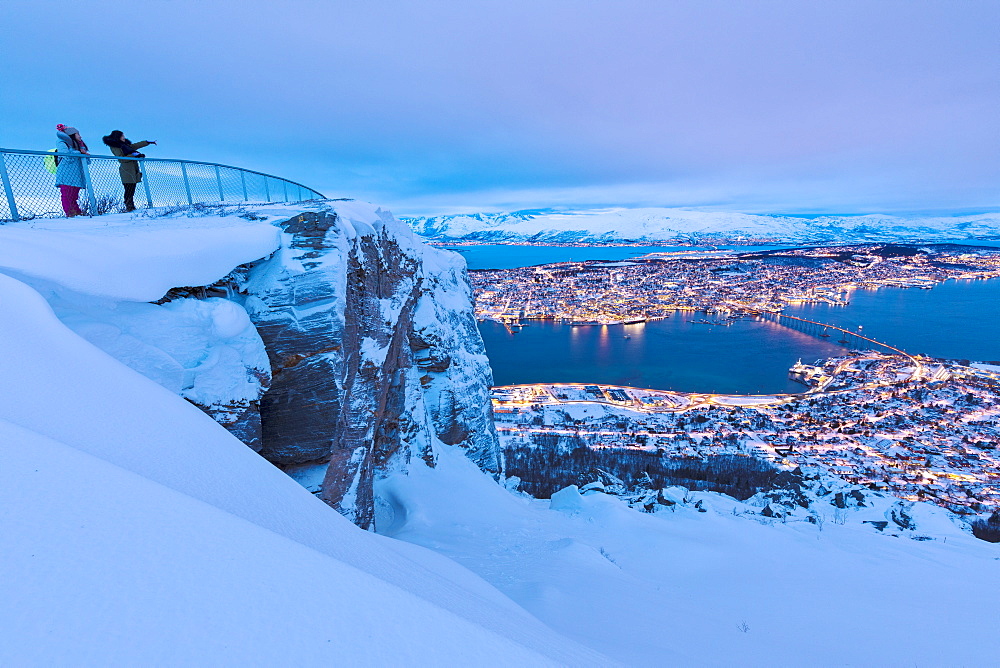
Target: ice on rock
[[229, 320], [567, 500]]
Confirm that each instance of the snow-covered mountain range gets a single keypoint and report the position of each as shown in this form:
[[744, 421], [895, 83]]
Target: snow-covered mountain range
[[691, 226]]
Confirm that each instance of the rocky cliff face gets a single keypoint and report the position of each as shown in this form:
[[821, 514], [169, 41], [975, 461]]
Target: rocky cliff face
[[351, 349], [375, 356]]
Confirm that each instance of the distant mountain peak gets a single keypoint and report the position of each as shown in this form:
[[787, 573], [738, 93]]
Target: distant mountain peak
[[675, 224]]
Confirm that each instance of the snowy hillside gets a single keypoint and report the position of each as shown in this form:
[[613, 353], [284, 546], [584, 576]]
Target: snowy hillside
[[660, 224], [709, 583], [313, 332], [137, 531]]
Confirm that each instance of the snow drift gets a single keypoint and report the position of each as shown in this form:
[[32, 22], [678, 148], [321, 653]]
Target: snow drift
[[138, 530]]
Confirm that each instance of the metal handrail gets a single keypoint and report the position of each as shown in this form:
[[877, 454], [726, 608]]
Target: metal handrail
[[30, 177]]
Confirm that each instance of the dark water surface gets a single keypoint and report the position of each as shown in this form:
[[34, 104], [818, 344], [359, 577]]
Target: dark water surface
[[671, 354], [958, 319], [510, 256]]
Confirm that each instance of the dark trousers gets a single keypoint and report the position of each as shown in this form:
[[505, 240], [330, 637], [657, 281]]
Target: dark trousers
[[129, 196]]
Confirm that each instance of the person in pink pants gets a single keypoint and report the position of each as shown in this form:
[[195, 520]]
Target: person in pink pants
[[69, 170]]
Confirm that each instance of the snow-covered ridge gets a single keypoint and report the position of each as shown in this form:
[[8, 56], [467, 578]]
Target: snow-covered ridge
[[315, 333], [666, 224], [131, 519], [705, 580], [131, 258]]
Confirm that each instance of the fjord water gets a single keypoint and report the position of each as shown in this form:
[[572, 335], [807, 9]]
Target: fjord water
[[956, 319], [512, 256], [746, 357]]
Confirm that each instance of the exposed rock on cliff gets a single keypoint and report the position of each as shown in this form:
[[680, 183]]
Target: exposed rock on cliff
[[374, 352], [338, 337]]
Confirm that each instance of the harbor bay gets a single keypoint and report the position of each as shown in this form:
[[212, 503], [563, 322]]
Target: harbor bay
[[678, 353], [699, 323], [513, 256], [956, 319], [880, 368]]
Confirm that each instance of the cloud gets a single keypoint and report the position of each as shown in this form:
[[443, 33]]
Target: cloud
[[789, 196], [449, 101]]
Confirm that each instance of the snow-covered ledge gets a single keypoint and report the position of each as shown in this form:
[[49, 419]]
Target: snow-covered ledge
[[132, 520], [316, 333]]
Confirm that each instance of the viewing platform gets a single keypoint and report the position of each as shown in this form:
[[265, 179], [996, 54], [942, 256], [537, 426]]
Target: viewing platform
[[30, 192]]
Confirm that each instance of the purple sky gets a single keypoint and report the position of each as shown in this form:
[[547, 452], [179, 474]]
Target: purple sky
[[459, 105]]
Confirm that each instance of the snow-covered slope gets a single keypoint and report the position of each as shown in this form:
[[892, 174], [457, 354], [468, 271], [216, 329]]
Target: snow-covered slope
[[136, 530], [131, 258], [705, 584], [316, 333], [661, 224]]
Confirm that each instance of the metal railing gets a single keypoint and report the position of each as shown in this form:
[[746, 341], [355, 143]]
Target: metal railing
[[30, 189]]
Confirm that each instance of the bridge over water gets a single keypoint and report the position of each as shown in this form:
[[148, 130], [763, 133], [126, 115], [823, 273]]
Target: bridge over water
[[845, 337]]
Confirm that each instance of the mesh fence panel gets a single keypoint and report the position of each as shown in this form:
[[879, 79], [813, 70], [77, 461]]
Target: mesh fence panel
[[232, 184], [31, 178], [109, 194], [33, 186], [166, 183]]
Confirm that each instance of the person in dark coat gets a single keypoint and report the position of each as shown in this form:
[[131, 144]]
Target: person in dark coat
[[129, 169], [69, 170]]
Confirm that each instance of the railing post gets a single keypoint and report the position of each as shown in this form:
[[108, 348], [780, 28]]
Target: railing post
[[89, 185], [11, 204], [243, 182], [267, 191], [284, 188], [187, 185], [145, 184], [218, 179]]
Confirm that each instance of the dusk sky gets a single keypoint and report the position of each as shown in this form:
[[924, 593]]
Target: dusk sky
[[444, 106]]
